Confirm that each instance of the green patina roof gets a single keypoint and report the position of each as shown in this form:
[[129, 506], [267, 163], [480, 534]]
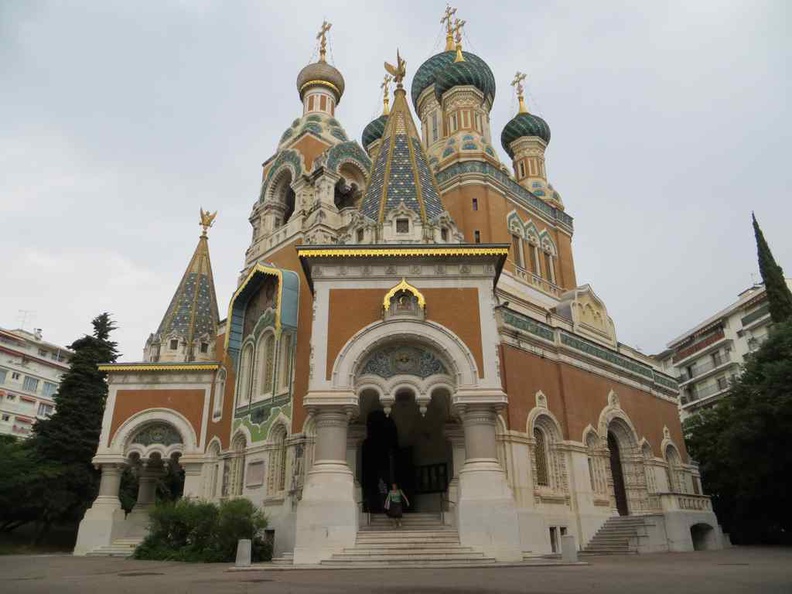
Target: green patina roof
[[373, 131], [473, 71], [524, 124], [427, 73]]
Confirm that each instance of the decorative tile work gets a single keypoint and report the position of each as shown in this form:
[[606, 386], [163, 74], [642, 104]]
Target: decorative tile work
[[606, 355], [159, 433], [347, 151], [403, 360], [665, 381], [271, 410], [371, 201], [529, 325], [523, 195]]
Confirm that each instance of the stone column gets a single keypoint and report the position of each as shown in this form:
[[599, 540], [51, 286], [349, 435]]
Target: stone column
[[138, 518], [103, 522], [327, 515], [456, 436], [193, 471], [487, 513]]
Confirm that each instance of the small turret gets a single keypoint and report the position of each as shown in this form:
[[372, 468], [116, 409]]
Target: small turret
[[188, 330], [320, 85], [372, 133]]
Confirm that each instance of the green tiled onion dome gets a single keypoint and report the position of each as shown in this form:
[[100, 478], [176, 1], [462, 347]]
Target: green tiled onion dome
[[524, 124], [426, 74], [473, 71], [325, 75], [373, 131]]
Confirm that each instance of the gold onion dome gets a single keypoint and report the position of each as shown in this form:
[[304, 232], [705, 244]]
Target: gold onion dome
[[321, 74]]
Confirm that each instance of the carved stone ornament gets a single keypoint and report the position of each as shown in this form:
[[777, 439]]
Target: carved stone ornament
[[613, 400], [403, 360], [541, 399], [157, 433]]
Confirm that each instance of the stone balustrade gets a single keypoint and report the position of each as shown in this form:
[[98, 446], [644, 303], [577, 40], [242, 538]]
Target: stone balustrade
[[685, 502]]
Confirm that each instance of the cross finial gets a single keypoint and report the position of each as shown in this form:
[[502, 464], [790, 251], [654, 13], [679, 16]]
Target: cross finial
[[517, 83], [385, 86], [207, 220], [322, 36], [449, 12], [457, 29]]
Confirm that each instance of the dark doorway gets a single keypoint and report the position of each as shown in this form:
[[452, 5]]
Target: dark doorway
[[379, 457], [618, 475]]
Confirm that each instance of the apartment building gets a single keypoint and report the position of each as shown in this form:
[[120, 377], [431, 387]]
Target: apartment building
[[708, 357], [30, 371]]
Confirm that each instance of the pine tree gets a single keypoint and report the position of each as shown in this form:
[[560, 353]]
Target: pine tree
[[778, 295], [66, 442]]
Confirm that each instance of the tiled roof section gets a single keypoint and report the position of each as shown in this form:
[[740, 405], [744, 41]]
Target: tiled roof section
[[401, 173], [193, 310]]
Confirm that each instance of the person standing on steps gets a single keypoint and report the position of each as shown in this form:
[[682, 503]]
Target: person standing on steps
[[382, 487], [394, 503]]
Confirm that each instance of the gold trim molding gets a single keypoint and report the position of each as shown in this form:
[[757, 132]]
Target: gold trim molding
[[323, 83], [404, 286], [401, 252], [131, 367]]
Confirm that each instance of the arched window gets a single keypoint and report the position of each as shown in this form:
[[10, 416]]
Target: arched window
[[284, 371], [265, 363], [283, 198], [237, 471], [540, 458], [596, 464], [550, 267], [277, 475], [676, 481], [212, 474], [517, 251], [219, 394], [245, 375]]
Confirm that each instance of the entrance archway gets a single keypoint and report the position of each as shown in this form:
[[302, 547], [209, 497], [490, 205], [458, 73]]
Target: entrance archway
[[405, 412], [617, 475]]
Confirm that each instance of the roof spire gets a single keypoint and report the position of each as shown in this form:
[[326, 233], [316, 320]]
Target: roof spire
[[322, 36], [517, 83], [385, 86], [192, 316], [400, 172], [458, 24], [449, 12]]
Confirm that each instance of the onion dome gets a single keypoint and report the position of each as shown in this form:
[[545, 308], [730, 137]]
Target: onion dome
[[373, 131], [472, 71], [321, 74], [428, 72], [524, 124]]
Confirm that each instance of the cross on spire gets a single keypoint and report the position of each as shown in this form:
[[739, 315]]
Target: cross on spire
[[447, 20], [517, 83], [457, 29], [385, 86], [322, 36]]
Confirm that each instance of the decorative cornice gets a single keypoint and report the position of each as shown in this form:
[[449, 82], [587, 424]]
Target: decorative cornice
[[375, 252], [133, 367]]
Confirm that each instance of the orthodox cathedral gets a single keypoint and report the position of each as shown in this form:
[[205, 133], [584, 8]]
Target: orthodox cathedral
[[408, 313]]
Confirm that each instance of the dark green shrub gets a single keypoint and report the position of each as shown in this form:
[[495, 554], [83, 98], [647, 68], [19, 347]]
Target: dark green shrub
[[189, 530]]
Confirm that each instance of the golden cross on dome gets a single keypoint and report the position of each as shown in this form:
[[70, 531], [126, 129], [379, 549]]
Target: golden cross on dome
[[517, 83], [207, 220], [449, 12], [397, 71], [385, 86], [457, 29], [322, 35]]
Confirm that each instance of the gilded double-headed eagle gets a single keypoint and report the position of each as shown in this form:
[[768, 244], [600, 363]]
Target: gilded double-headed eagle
[[207, 219], [397, 72]]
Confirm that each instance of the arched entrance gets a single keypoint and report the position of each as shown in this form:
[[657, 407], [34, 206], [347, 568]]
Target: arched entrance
[[405, 414], [617, 475]]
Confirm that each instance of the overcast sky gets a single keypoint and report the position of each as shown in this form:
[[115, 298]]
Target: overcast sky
[[119, 120]]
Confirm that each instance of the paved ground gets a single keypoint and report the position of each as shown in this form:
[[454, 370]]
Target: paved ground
[[744, 569]]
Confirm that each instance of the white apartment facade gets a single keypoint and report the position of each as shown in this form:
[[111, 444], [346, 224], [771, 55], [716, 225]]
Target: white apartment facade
[[708, 357], [30, 372]]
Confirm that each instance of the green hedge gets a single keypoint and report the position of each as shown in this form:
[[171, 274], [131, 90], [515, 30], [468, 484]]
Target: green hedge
[[200, 531]]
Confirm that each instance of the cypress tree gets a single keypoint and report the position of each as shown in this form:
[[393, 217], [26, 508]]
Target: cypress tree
[[778, 295], [66, 442]]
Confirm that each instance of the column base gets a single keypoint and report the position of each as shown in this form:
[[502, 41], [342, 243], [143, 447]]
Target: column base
[[137, 521], [102, 523], [487, 512], [327, 515]]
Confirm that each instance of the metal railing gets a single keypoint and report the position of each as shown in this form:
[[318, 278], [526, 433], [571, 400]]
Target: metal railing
[[702, 368]]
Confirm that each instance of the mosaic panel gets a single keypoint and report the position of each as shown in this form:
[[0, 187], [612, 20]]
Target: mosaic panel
[[403, 360]]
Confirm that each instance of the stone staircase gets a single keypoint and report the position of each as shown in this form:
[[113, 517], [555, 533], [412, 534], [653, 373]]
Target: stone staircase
[[422, 541], [617, 536], [121, 547]]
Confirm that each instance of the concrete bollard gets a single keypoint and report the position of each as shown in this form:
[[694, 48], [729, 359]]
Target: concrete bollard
[[243, 552], [569, 552]]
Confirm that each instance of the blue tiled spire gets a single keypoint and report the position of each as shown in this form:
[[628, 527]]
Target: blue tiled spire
[[401, 173]]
